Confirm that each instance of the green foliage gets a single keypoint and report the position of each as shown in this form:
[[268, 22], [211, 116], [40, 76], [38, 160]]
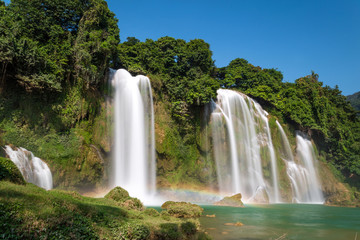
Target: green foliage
[[354, 100], [188, 228], [182, 209], [96, 42], [165, 215], [134, 231], [9, 172], [168, 231], [45, 44], [151, 212], [185, 67], [121, 196], [118, 194], [321, 111], [29, 212]]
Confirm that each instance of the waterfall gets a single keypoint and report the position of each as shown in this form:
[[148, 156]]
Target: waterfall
[[243, 148], [310, 188], [33, 169], [302, 174], [133, 166]]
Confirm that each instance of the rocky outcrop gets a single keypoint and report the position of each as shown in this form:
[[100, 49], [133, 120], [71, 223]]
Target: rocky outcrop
[[233, 201]]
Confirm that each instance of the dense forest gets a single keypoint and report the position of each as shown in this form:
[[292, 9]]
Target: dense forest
[[354, 100], [54, 59], [191, 78]]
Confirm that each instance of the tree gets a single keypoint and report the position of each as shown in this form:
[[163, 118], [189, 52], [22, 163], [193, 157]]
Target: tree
[[37, 42]]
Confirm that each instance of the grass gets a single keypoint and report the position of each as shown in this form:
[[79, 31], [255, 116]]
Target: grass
[[30, 212]]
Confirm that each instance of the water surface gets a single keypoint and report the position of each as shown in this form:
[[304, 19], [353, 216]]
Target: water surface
[[283, 221]]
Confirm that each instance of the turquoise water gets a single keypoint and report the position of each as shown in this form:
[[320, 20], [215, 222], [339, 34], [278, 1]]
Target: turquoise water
[[283, 221]]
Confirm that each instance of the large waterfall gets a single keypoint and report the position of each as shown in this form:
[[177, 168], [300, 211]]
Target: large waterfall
[[33, 169], [246, 160], [243, 148], [133, 166]]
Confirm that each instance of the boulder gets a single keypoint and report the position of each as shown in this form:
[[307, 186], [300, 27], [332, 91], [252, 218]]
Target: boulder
[[233, 201]]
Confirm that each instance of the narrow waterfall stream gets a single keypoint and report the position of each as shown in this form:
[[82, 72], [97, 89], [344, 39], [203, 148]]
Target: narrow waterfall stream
[[33, 169], [302, 172], [133, 166], [310, 187]]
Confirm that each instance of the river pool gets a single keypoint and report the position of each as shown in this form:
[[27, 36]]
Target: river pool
[[282, 221]]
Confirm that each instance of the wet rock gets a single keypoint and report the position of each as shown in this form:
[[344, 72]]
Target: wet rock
[[233, 201]]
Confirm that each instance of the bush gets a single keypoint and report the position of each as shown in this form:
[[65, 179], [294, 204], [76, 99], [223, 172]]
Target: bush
[[9, 171], [165, 215], [134, 231], [121, 196], [118, 194], [203, 236], [182, 209], [188, 228], [168, 231], [151, 212]]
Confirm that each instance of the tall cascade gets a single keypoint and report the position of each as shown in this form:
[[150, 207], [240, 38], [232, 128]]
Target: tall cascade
[[243, 148], [33, 169], [133, 166], [301, 171], [310, 187]]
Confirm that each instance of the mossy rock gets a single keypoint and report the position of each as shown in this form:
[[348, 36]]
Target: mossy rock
[[233, 201], [182, 209], [122, 197], [10, 172], [118, 194]]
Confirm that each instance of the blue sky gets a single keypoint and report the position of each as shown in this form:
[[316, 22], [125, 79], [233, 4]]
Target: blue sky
[[294, 36]]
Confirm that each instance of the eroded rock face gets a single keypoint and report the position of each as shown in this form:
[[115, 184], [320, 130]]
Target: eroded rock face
[[335, 192], [233, 201]]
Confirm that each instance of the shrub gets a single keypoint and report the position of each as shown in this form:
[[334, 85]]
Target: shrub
[[9, 171], [188, 228], [168, 231], [165, 215], [134, 231], [121, 196], [182, 209], [118, 194], [151, 212]]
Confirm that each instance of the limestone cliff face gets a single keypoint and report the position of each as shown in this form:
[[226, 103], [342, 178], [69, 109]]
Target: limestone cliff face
[[77, 144], [336, 193]]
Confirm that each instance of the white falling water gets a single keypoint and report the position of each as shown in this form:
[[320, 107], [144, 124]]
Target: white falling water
[[241, 135], [33, 169], [303, 176], [134, 144], [310, 187]]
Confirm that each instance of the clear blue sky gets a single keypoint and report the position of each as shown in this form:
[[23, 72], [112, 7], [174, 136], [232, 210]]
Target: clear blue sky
[[294, 36]]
